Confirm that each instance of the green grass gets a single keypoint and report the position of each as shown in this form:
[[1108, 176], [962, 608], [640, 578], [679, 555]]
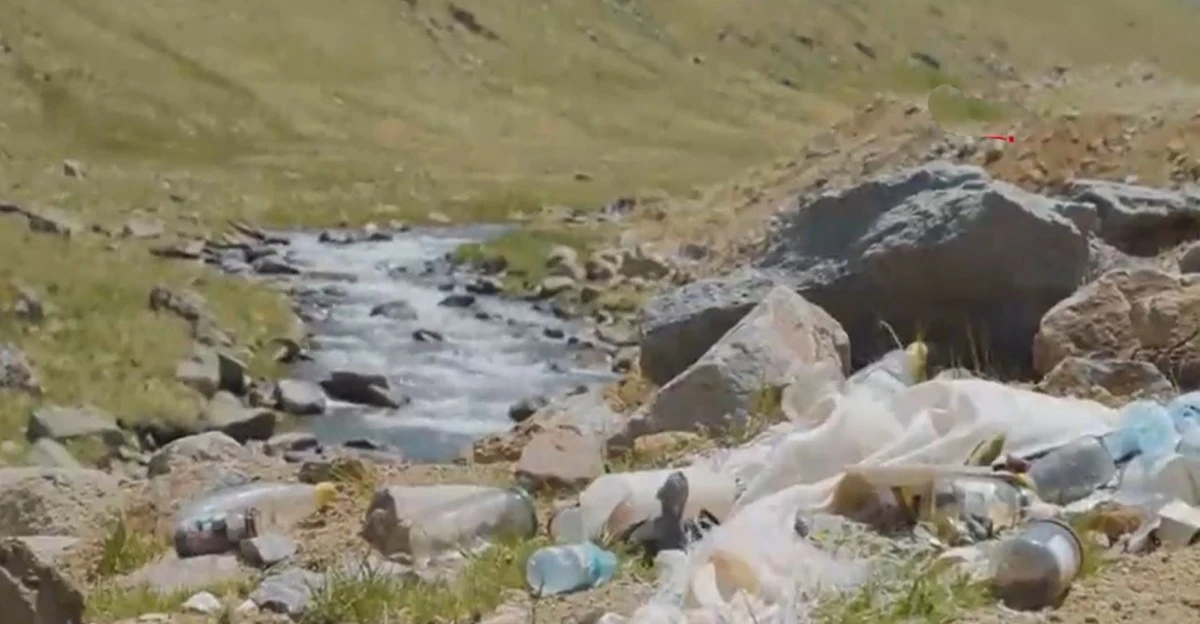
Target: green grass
[[368, 596], [102, 344], [905, 590], [126, 548], [111, 602], [525, 250], [278, 111]]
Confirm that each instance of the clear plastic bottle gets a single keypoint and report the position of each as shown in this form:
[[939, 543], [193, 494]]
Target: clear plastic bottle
[[558, 570], [1146, 431], [1073, 471], [278, 505], [460, 523], [1185, 414]]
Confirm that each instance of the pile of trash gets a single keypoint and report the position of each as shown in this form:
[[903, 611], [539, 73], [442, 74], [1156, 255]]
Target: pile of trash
[[1005, 485], [1008, 484]]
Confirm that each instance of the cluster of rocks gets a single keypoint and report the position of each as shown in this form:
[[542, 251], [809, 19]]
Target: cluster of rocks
[[48, 514], [1094, 293]]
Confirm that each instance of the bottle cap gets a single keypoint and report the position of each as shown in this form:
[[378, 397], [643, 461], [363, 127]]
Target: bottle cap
[[324, 493]]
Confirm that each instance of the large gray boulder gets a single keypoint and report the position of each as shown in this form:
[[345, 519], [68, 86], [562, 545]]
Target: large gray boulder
[[679, 326], [941, 249], [1142, 315], [210, 447], [778, 339], [1140, 220], [55, 501], [299, 397], [227, 414], [73, 423], [33, 590]]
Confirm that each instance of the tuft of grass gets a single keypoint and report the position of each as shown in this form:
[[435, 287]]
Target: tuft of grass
[[908, 590], [111, 602], [369, 596], [127, 546], [525, 251]]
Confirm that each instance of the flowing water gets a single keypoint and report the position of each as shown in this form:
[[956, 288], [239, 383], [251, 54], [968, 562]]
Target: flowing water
[[495, 352]]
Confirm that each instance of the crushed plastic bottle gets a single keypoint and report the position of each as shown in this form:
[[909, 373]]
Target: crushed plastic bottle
[[1072, 472], [558, 570], [462, 523], [277, 505], [1185, 414], [1035, 568]]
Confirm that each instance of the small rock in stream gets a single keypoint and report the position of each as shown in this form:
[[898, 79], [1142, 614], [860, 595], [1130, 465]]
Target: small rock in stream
[[458, 301], [485, 286], [428, 335], [398, 310], [363, 389], [523, 409]]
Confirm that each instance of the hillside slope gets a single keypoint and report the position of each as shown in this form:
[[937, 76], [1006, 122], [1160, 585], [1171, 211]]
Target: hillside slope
[[333, 110], [307, 112]]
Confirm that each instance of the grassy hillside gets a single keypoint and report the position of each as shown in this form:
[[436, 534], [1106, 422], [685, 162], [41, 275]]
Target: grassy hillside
[[308, 112]]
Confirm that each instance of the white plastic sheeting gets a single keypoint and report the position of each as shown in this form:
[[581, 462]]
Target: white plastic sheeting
[[754, 569]]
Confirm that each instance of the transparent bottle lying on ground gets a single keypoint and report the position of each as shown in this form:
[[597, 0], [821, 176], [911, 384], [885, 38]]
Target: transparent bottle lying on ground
[[215, 522], [277, 504], [1073, 471], [465, 523]]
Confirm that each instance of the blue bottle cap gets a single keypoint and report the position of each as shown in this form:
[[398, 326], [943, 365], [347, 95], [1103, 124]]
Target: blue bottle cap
[[603, 563]]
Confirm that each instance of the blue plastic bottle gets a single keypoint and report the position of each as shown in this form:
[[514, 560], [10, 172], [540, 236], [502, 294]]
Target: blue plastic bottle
[[1185, 414], [561, 569], [1146, 431]]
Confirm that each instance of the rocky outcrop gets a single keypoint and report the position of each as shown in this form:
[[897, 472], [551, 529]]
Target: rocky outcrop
[[362, 389], [298, 397], [1144, 315], [73, 423], [971, 262], [782, 334], [1111, 382], [55, 501], [226, 413], [560, 457], [586, 412], [32, 590], [214, 447], [680, 326], [1140, 220], [209, 370]]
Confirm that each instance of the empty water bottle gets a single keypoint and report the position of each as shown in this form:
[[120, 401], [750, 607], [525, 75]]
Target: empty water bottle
[[561, 569], [277, 505], [462, 523], [1185, 414], [1146, 431], [1073, 471]]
